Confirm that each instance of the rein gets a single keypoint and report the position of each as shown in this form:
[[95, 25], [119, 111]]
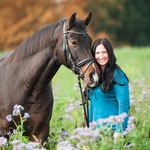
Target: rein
[[76, 66]]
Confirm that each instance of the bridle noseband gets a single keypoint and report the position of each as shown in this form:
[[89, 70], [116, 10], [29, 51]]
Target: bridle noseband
[[77, 66]]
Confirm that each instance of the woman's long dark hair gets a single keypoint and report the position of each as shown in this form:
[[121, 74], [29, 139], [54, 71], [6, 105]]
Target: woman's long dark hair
[[106, 78]]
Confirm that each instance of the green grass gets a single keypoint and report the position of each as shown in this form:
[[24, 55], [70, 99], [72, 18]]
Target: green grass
[[135, 62], [65, 80]]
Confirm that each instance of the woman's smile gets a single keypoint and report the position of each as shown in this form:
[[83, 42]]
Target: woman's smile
[[101, 55]]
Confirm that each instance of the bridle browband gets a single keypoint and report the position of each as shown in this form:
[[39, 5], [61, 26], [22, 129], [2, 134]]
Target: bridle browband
[[76, 66]]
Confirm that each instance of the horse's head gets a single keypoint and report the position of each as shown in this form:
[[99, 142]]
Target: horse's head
[[76, 53]]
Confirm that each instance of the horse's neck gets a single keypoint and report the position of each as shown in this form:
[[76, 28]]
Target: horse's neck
[[41, 69], [35, 71], [46, 61], [32, 73]]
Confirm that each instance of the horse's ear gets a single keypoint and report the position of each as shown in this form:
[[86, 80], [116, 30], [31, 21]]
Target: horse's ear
[[87, 19], [71, 21]]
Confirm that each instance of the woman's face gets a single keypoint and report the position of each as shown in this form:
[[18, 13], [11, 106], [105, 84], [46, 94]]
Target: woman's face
[[101, 55]]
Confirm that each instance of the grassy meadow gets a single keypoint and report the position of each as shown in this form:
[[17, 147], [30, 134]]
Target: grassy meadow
[[135, 62], [66, 126]]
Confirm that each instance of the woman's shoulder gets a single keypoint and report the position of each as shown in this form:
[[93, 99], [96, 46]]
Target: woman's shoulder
[[119, 75]]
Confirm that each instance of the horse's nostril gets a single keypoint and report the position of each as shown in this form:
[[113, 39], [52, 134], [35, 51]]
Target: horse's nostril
[[91, 76]]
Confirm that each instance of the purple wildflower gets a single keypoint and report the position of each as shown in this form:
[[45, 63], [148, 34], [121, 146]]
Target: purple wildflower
[[26, 115], [9, 118]]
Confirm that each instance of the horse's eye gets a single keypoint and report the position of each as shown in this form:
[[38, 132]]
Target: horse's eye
[[74, 42]]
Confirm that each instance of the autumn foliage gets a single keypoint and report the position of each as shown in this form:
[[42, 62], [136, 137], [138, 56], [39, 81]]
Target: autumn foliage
[[123, 22], [20, 19]]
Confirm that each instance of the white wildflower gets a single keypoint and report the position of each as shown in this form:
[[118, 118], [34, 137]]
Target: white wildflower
[[19, 146], [18, 107], [69, 109], [139, 100], [101, 121], [15, 142], [143, 79], [131, 96], [57, 89], [3, 141], [138, 109], [132, 118], [132, 102], [33, 144], [16, 112], [29, 146], [68, 117], [26, 115], [76, 87], [124, 115], [39, 148], [135, 81], [70, 101], [141, 85], [129, 122], [93, 124], [77, 103], [65, 145], [65, 133], [9, 118], [129, 128], [112, 119], [96, 133], [75, 137]]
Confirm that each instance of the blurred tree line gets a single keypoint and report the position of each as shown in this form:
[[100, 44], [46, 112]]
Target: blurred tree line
[[121, 21], [125, 21], [19, 19]]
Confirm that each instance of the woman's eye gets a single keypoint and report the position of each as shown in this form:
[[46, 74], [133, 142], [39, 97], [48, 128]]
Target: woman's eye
[[74, 42]]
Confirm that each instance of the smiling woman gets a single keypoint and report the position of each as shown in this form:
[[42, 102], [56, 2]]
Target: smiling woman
[[111, 96]]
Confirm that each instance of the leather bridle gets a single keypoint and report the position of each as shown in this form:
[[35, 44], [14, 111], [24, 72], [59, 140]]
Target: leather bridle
[[77, 66], [66, 50]]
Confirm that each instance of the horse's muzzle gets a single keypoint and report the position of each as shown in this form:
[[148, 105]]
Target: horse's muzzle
[[93, 79]]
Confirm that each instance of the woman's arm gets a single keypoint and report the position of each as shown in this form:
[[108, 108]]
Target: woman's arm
[[122, 95]]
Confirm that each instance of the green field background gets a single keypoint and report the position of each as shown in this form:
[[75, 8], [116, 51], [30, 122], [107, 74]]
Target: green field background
[[134, 61]]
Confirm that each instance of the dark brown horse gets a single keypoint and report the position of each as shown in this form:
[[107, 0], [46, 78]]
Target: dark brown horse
[[25, 73]]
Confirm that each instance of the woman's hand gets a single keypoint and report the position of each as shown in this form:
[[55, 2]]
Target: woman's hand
[[117, 135]]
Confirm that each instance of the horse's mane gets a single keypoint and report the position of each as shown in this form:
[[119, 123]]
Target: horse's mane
[[37, 42]]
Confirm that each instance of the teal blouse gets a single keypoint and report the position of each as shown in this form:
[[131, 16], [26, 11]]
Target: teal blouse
[[113, 103]]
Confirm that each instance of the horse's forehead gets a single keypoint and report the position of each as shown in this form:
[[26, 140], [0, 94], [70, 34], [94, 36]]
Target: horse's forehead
[[79, 24]]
